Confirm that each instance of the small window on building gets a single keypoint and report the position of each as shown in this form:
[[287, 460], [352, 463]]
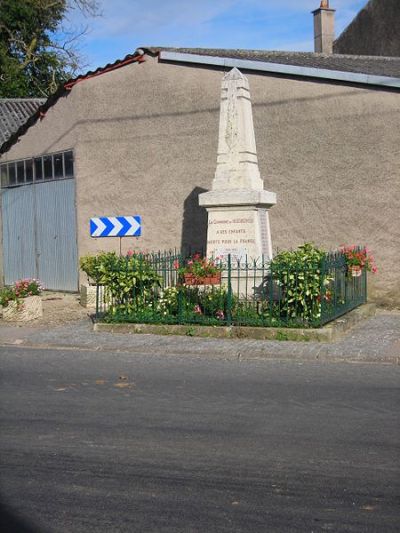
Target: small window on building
[[69, 164], [4, 175], [12, 178], [58, 166], [20, 172], [48, 167], [29, 170], [38, 169]]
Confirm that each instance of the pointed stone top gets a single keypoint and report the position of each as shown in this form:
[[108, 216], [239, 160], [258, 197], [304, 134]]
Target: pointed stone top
[[234, 74]]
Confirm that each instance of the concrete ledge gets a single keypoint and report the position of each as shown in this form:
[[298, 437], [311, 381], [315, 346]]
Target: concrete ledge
[[328, 333]]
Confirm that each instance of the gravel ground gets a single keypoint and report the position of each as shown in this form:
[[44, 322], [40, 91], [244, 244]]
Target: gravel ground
[[66, 324]]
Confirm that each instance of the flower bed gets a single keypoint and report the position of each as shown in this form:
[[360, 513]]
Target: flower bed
[[21, 301], [306, 287]]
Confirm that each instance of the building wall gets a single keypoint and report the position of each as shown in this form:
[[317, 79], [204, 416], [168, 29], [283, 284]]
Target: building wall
[[145, 138], [375, 31], [56, 132]]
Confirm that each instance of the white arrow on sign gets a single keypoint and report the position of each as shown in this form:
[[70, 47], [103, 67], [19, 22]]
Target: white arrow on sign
[[135, 225], [117, 227], [100, 227]]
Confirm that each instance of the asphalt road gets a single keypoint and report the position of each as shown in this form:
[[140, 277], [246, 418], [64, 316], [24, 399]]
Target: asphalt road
[[110, 442]]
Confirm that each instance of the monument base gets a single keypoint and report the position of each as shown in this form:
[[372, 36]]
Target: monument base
[[243, 232]]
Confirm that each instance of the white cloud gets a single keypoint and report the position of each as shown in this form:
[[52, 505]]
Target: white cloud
[[135, 16], [266, 24]]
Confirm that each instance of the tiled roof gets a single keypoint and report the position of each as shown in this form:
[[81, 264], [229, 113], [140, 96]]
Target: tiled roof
[[14, 112], [373, 65]]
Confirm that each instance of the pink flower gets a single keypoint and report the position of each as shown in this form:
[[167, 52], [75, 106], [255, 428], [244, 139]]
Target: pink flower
[[220, 314], [129, 253], [176, 264], [197, 309]]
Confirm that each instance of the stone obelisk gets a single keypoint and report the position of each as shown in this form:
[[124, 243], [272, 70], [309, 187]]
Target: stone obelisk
[[237, 205]]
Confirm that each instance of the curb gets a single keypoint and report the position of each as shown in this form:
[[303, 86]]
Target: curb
[[329, 333]]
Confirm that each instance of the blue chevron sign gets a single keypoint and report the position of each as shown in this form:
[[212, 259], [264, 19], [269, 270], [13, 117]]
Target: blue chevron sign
[[130, 226]]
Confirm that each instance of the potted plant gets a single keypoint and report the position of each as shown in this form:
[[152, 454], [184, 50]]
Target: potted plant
[[199, 270], [21, 301], [358, 259]]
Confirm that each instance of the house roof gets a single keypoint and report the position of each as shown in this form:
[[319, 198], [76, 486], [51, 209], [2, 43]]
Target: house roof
[[369, 65], [14, 112], [372, 65]]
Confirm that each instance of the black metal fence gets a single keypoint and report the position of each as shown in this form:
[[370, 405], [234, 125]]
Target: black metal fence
[[150, 289]]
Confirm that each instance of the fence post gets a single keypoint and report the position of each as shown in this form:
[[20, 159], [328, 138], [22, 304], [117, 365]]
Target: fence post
[[365, 288], [97, 300], [323, 270], [180, 306], [229, 295]]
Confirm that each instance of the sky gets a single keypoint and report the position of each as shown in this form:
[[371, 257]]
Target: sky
[[249, 24]]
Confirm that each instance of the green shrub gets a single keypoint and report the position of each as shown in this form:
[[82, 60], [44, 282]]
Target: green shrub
[[90, 264], [193, 302], [299, 275], [130, 282], [7, 294]]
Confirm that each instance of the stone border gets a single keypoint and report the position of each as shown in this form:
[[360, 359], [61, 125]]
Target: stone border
[[23, 310], [329, 333]]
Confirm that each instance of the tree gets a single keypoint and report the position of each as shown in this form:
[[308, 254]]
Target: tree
[[36, 52]]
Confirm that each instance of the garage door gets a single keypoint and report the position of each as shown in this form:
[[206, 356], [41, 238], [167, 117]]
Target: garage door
[[39, 234]]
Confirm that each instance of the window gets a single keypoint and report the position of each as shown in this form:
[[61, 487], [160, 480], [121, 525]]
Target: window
[[69, 164], [38, 169], [29, 170], [4, 175], [20, 172], [58, 166], [12, 178], [47, 167]]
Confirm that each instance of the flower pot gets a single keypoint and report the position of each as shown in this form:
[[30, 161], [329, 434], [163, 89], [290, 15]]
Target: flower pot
[[26, 309], [88, 295], [191, 279], [355, 271]]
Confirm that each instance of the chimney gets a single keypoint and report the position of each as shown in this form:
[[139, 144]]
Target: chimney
[[324, 28]]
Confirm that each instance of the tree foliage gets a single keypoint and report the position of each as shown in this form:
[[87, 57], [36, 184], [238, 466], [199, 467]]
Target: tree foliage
[[37, 53]]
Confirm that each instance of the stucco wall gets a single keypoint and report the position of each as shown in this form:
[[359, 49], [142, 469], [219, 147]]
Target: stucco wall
[[145, 140]]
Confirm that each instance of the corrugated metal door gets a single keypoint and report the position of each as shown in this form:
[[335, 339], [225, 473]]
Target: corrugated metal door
[[39, 234], [18, 217]]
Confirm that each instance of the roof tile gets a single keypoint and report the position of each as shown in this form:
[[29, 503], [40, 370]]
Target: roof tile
[[14, 112]]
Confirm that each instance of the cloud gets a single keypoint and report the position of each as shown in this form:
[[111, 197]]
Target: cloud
[[265, 24], [138, 17]]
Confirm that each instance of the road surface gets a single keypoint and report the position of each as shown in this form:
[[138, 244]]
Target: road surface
[[95, 441]]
